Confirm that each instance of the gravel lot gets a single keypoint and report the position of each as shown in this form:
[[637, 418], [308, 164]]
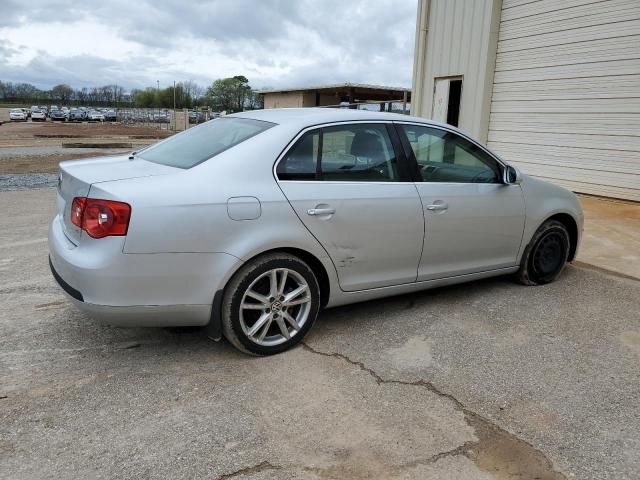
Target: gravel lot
[[480, 381], [23, 181]]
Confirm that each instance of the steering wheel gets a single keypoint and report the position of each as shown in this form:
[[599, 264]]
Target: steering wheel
[[428, 171], [482, 177]]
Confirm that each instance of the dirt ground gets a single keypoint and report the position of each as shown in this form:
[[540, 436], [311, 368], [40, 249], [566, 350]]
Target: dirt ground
[[92, 130], [46, 163], [27, 147]]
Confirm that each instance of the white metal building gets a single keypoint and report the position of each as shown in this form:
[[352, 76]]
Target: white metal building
[[551, 85]]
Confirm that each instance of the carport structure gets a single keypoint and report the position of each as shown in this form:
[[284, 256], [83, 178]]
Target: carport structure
[[335, 94]]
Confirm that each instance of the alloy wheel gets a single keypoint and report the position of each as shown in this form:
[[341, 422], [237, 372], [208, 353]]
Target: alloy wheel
[[275, 307]]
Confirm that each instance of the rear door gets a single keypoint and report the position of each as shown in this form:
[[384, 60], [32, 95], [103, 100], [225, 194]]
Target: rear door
[[349, 184], [473, 221]]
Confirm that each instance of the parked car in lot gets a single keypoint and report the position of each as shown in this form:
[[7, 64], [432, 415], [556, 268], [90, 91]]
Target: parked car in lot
[[17, 115], [197, 117], [110, 115], [95, 116], [38, 116], [76, 115], [58, 116], [253, 222]]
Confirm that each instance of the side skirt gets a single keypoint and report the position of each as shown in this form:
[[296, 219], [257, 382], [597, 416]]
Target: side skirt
[[345, 298]]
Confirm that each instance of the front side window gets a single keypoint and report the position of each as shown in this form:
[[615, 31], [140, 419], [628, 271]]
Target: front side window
[[197, 144], [443, 156], [344, 153]]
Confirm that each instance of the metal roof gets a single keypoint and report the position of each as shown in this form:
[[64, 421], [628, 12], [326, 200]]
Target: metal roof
[[332, 86]]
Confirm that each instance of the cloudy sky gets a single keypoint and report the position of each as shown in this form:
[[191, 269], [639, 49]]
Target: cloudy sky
[[274, 43]]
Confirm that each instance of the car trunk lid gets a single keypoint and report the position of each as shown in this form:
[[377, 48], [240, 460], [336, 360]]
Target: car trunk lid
[[77, 176]]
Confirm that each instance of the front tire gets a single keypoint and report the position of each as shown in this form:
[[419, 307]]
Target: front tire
[[546, 255], [270, 304]]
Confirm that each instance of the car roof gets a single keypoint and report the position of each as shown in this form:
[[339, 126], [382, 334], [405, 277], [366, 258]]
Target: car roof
[[305, 117]]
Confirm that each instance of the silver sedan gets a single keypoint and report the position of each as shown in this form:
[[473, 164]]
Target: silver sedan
[[252, 223]]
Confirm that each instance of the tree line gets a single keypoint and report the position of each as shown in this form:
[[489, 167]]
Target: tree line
[[231, 94]]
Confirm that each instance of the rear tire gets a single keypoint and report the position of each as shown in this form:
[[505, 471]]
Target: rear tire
[[546, 255], [270, 304]]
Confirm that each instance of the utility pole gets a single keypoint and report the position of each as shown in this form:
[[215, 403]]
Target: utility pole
[[174, 105], [156, 117]]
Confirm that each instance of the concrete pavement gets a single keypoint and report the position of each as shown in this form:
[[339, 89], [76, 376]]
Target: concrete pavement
[[478, 381], [611, 235]]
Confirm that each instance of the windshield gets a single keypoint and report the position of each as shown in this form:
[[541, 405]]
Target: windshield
[[200, 143]]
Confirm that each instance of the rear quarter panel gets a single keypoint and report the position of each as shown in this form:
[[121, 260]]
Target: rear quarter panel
[[187, 211]]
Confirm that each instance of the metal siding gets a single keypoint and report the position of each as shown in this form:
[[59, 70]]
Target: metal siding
[[461, 39], [566, 94]]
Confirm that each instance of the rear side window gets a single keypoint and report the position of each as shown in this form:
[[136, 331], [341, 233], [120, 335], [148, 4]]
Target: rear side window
[[349, 153], [197, 144]]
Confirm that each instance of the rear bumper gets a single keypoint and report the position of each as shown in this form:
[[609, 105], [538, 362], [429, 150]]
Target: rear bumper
[[160, 289]]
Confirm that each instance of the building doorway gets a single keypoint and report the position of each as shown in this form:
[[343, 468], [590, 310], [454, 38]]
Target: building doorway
[[447, 93]]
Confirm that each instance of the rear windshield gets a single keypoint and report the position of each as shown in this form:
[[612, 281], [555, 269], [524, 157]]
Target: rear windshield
[[200, 143]]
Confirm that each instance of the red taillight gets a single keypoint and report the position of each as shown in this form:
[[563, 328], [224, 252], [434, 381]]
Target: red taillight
[[100, 218], [77, 210]]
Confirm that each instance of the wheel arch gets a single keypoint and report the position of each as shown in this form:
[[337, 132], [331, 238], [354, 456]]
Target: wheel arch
[[213, 328], [309, 258]]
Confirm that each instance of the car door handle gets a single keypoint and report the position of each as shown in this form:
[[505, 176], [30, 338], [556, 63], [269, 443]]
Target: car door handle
[[437, 206], [321, 211]]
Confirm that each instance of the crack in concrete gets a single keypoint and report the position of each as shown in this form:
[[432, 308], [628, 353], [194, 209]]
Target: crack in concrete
[[261, 467], [497, 450]]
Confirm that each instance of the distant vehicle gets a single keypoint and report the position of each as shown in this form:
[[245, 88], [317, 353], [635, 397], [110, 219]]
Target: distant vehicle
[[197, 117], [159, 117], [38, 116], [52, 108], [76, 115], [110, 115], [58, 115], [17, 115], [95, 116]]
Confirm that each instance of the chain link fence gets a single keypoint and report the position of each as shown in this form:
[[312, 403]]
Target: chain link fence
[[163, 118]]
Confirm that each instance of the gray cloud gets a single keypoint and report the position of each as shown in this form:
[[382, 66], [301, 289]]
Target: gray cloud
[[312, 41]]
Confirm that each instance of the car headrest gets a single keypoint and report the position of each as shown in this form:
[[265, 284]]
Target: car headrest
[[366, 144]]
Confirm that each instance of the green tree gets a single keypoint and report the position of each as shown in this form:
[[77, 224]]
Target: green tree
[[229, 94], [146, 98]]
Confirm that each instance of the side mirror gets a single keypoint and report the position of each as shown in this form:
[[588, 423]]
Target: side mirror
[[512, 176]]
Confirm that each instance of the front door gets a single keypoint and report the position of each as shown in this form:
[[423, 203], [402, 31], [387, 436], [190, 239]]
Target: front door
[[349, 186], [473, 221]]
